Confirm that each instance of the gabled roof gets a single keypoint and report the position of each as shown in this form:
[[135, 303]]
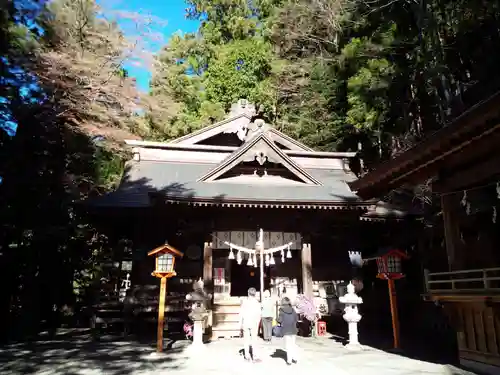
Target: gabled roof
[[185, 171], [232, 125], [167, 249], [262, 149], [286, 140], [209, 131], [437, 151], [147, 181]]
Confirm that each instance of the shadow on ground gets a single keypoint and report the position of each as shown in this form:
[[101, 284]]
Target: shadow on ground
[[279, 353], [420, 345], [74, 353]]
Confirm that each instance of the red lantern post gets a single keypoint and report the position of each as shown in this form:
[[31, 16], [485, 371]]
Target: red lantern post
[[389, 268]]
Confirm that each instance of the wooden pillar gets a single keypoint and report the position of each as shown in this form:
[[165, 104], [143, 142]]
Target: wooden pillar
[[454, 248], [161, 314], [394, 312], [208, 265], [208, 276], [307, 281]]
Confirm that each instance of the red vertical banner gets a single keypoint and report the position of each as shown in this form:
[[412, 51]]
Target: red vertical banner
[[219, 276]]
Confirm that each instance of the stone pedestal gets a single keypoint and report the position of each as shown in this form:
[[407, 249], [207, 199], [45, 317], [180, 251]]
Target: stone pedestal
[[198, 333], [352, 316], [198, 316]]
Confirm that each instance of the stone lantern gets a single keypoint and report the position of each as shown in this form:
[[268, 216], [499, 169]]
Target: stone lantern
[[199, 312], [351, 315], [351, 301]]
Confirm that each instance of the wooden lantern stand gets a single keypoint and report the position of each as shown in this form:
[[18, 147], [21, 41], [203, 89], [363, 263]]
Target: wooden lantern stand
[[393, 301], [163, 271], [389, 268]]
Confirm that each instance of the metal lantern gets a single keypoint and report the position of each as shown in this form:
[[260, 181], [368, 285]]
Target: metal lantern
[[389, 264], [389, 268]]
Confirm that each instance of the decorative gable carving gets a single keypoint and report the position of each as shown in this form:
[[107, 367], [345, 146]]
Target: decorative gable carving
[[260, 149], [242, 107], [238, 123]]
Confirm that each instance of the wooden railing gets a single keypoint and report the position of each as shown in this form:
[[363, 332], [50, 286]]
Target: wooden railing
[[477, 280]]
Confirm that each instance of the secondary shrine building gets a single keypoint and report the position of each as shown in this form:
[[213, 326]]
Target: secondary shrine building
[[222, 184]]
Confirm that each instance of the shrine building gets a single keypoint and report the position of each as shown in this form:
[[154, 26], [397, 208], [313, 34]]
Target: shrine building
[[218, 187]]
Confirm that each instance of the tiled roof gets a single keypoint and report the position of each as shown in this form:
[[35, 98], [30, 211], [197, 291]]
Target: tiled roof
[[177, 182]]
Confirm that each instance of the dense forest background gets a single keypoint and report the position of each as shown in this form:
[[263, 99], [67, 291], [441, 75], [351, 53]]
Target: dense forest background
[[369, 76]]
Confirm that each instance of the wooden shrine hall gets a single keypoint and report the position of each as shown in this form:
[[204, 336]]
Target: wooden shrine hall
[[221, 185], [461, 164]]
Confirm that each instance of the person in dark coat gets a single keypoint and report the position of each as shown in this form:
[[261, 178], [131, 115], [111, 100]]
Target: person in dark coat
[[288, 319]]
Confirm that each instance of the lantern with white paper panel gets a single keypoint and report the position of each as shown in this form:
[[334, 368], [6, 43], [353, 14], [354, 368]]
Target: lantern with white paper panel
[[165, 260], [165, 256]]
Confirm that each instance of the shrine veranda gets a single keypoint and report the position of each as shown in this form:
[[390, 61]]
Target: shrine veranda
[[219, 187]]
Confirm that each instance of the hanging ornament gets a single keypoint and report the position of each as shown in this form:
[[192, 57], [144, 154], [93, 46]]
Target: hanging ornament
[[231, 254], [288, 253], [463, 202], [498, 190], [268, 258], [255, 260], [272, 262], [250, 263], [238, 257], [494, 216], [282, 256], [467, 208]]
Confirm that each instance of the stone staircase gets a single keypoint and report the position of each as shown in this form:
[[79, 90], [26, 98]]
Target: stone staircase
[[225, 318]]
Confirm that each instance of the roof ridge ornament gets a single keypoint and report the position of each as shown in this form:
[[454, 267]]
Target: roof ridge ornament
[[242, 107], [262, 149], [255, 128]]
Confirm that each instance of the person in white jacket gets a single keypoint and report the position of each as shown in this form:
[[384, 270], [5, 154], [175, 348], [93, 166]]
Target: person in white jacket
[[250, 314]]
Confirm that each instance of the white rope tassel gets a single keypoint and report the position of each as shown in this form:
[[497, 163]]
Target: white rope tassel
[[267, 260], [288, 253], [463, 202], [250, 263], [272, 262], [238, 257], [282, 256], [231, 254], [255, 260]]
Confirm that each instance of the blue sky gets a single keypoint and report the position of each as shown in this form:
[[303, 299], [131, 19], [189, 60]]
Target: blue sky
[[172, 12]]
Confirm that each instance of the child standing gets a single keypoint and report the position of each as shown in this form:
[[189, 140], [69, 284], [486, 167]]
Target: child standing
[[288, 320]]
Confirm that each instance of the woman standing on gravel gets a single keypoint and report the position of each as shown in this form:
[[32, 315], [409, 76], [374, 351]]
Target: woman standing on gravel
[[288, 320]]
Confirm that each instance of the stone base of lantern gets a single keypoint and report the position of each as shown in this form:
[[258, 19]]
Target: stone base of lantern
[[154, 355], [354, 347], [198, 318], [197, 333], [353, 343]]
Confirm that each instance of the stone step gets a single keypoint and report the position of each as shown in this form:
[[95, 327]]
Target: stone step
[[225, 318]]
